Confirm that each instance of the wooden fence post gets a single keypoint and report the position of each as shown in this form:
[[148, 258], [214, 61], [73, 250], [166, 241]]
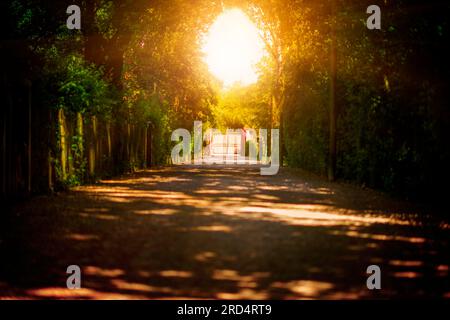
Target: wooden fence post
[[62, 142]]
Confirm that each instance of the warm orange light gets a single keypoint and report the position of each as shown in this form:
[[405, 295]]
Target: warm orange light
[[233, 47]]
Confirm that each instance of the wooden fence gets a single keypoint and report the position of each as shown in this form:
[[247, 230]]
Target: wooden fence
[[43, 148]]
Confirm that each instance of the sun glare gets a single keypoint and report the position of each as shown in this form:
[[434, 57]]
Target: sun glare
[[232, 48]]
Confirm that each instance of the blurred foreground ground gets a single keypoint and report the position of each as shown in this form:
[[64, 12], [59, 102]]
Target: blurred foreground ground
[[227, 233]]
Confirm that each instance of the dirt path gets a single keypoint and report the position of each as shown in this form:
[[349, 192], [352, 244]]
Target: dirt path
[[215, 232]]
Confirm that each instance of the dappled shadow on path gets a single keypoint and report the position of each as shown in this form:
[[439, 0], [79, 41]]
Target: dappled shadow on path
[[217, 232]]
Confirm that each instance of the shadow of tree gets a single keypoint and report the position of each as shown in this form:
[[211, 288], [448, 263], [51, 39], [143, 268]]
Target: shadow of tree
[[218, 232]]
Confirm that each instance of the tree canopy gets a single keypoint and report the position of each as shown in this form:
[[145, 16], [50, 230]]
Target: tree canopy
[[137, 65]]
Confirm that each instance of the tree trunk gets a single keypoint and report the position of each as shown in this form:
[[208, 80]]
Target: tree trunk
[[332, 102], [29, 142], [92, 147], [50, 154]]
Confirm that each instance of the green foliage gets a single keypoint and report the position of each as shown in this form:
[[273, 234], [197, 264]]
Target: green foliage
[[154, 114], [77, 88], [390, 95], [241, 107], [82, 88]]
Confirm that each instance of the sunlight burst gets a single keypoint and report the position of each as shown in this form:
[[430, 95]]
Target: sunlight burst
[[233, 48]]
